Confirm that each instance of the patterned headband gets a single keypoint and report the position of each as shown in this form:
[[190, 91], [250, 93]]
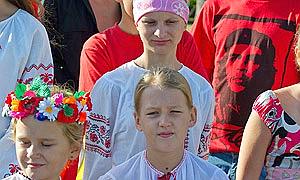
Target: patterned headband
[[36, 99], [142, 7]]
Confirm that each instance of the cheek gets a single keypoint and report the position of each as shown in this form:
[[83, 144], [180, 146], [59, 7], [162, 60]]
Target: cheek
[[251, 69]]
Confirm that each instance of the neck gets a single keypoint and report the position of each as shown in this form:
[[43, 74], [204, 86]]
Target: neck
[[148, 60], [6, 9], [164, 161], [127, 23]]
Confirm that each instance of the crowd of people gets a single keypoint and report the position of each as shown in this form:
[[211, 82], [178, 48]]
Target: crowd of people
[[122, 90]]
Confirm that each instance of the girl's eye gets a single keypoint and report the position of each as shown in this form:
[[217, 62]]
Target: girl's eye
[[152, 113], [171, 22], [47, 144], [176, 111], [22, 142], [148, 22]]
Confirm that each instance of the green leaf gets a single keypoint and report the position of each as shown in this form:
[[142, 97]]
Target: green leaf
[[43, 91], [79, 94], [20, 90], [36, 83], [68, 111]]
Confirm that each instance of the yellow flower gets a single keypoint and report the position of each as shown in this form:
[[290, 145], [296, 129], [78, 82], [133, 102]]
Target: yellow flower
[[15, 105]]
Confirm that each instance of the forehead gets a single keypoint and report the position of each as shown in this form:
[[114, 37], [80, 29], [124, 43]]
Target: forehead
[[155, 96], [160, 15], [245, 48], [32, 128]]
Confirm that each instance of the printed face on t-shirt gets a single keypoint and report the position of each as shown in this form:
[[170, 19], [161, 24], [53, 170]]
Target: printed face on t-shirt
[[243, 61]]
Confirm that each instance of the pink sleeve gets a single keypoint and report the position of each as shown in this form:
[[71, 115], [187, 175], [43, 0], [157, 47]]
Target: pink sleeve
[[269, 109]]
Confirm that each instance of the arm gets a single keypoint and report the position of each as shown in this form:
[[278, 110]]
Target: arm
[[202, 31], [39, 60], [99, 129], [203, 150], [256, 139], [94, 61], [188, 54]]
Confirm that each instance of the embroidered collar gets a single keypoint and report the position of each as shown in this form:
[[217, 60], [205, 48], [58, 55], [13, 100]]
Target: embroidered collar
[[161, 174]]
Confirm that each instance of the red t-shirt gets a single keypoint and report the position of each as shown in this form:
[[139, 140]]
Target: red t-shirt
[[113, 47], [246, 47]]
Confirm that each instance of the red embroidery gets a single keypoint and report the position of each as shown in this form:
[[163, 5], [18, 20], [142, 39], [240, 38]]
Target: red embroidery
[[167, 176], [97, 135], [37, 67]]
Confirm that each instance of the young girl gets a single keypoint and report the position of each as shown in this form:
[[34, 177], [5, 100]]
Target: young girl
[[272, 134], [47, 127], [164, 112], [111, 137], [24, 53]]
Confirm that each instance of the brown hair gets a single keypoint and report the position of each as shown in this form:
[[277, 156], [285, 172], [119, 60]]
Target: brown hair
[[162, 77], [27, 5]]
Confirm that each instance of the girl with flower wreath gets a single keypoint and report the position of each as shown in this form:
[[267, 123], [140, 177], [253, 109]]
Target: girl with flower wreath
[[24, 54], [47, 127]]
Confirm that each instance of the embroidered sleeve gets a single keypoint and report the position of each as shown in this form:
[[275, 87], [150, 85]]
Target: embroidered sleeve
[[99, 129], [203, 150], [39, 59], [269, 109]]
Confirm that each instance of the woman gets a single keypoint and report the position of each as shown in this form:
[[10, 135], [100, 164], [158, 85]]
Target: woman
[[272, 134], [111, 137], [24, 54], [164, 112]]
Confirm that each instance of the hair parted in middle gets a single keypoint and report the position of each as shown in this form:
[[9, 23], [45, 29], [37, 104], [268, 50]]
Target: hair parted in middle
[[162, 77]]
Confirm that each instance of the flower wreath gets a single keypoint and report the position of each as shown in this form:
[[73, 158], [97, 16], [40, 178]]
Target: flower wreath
[[37, 99]]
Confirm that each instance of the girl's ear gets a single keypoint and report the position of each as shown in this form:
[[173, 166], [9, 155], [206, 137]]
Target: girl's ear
[[193, 119], [137, 121], [74, 151]]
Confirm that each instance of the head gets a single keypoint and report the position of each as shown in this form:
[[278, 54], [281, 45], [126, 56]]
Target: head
[[47, 127], [248, 52], [31, 6], [160, 23], [164, 109]]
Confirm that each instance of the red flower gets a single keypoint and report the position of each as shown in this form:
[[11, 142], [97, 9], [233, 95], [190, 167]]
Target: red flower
[[102, 130], [62, 117], [93, 137], [107, 143], [8, 98]]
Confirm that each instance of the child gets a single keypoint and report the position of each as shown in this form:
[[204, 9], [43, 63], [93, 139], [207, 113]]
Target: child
[[24, 54], [47, 128], [164, 112], [272, 134], [111, 138]]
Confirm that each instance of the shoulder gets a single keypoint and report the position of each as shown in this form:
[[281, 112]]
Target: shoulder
[[204, 168], [101, 40], [195, 80], [127, 169], [122, 76], [28, 22]]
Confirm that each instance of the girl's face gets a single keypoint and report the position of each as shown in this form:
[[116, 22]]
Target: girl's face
[[161, 31], [42, 148], [164, 118]]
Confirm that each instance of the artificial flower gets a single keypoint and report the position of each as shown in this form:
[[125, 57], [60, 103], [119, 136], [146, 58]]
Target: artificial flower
[[48, 109]]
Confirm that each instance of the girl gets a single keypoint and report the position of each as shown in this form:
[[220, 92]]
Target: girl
[[272, 134], [24, 53], [47, 128], [164, 112], [111, 137]]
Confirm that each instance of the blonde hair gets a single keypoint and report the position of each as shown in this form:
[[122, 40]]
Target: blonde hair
[[73, 131], [162, 77]]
